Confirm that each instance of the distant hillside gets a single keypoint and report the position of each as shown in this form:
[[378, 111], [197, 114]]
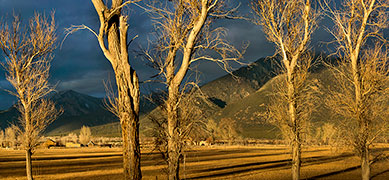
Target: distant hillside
[[79, 109], [246, 110], [243, 82], [227, 89]]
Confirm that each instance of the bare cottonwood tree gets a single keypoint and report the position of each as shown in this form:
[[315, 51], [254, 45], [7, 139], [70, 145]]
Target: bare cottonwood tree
[[360, 97], [289, 25], [71, 137], [85, 135], [191, 122], [112, 38], [10, 137], [27, 63], [326, 134], [184, 35], [228, 129]]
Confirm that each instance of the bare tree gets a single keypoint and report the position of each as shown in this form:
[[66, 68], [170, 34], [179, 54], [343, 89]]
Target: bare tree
[[112, 38], [228, 129], [72, 137], [326, 134], [289, 25], [360, 98], [191, 122], [27, 64], [10, 137], [184, 36], [85, 135]]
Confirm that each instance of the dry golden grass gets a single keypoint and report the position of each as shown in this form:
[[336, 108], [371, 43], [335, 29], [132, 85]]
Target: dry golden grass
[[216, 162]]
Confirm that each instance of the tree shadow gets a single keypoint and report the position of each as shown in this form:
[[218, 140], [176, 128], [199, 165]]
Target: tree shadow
[[380, 173], [247, 167], [334, 173]]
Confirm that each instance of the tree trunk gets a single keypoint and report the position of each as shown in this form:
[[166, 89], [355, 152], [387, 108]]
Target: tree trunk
[[115, 28], [296, 160], [128, 111], [174, 150], [131, 150], [365, 164], [173, 161], [29, 164], [296, 140]]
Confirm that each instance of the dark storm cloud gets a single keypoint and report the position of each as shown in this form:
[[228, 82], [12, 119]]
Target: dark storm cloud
[[80, 65]]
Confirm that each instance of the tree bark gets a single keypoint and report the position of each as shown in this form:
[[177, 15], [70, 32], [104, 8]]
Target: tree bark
[[296, 141], [131, 150], [296, 160], [174, 150], [113, 26], [29, 164], [173, 161], [365, 165]]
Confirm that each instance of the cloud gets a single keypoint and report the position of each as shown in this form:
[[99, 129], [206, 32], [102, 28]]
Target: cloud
[[91, 83]]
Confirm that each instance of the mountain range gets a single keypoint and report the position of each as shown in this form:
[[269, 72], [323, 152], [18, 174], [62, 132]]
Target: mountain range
[[240, 95]]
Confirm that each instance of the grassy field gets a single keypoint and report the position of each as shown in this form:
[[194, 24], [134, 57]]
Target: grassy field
[[268, 162]]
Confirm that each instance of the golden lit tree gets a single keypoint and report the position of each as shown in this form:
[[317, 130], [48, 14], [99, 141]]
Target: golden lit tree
[[27, 63], [85, 135], [289, 24], [112, 39], [360, 97], [185, 36]]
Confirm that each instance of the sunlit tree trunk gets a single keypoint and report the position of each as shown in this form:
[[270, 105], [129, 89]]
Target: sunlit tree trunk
[[29, 164], [113, 26], [365, 164], [296, 141], [174, 149]]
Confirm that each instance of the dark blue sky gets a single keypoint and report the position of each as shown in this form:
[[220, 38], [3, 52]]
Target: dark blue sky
[[80, 65]]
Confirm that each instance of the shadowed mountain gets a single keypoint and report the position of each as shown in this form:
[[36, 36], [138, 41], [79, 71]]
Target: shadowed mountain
[[243, 82], [247, 110], [79, 109]]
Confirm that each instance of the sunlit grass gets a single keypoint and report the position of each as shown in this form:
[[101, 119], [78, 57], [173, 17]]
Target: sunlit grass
[[216, 162]]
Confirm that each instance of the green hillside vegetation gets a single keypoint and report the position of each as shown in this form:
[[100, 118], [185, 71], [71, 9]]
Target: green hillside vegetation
[[114, 129], [243, 82], [248, 110]]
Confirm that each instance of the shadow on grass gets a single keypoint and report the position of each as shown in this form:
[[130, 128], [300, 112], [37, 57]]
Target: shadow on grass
[[60, 157], [100, 177], [334, 173], [247, 167], [210, 157], [383, 172], [350, 169]]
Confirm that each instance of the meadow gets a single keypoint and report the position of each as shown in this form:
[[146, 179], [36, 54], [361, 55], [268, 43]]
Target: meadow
[[271, 162]]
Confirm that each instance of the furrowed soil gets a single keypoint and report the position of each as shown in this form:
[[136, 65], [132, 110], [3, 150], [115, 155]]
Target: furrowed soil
[[270, 162]]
